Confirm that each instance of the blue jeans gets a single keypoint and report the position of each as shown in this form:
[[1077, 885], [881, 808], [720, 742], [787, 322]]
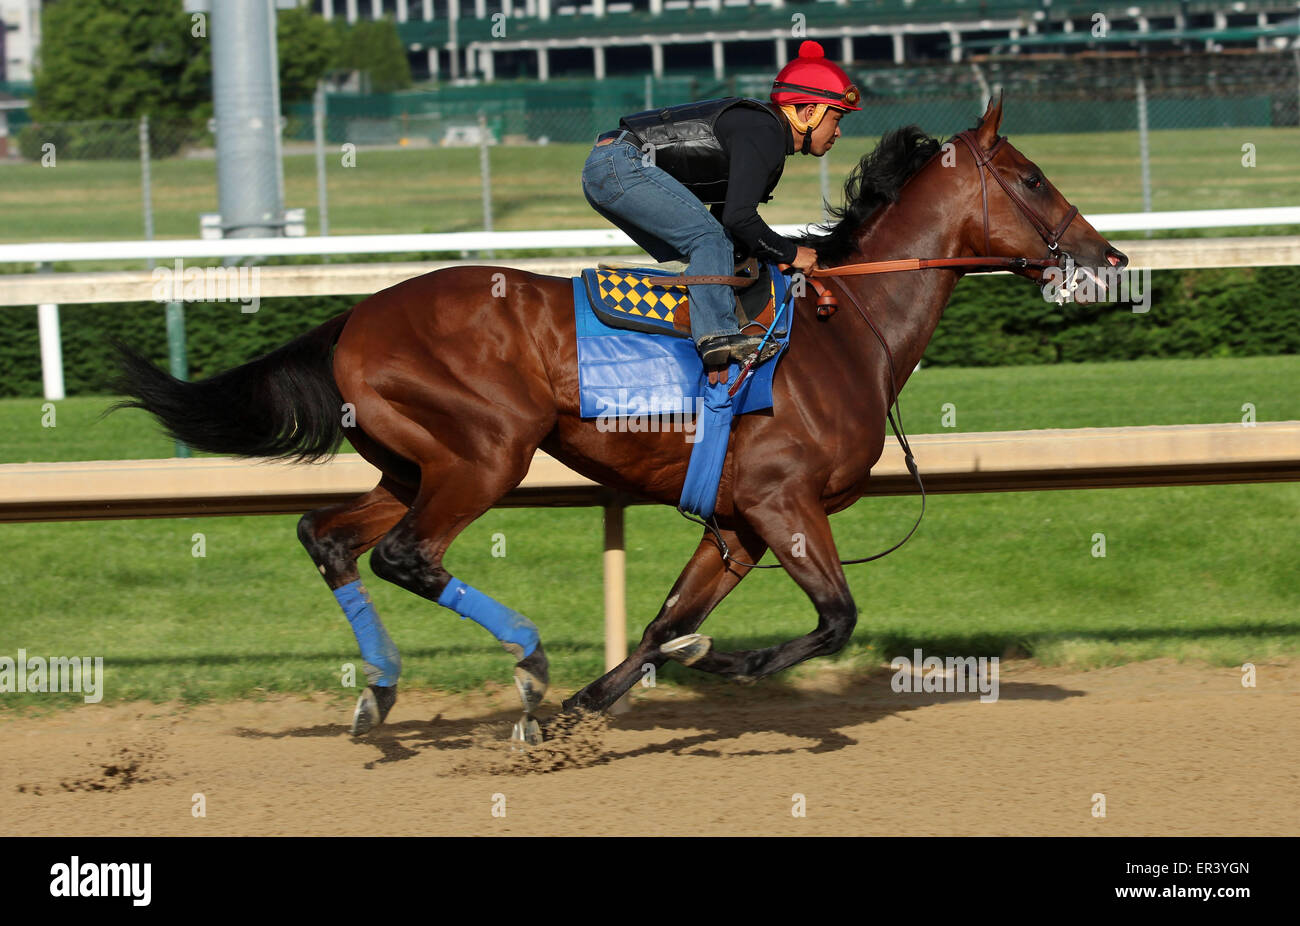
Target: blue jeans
[[670, 223]]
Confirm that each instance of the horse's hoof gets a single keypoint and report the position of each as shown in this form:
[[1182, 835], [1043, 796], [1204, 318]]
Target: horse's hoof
[[532, 675], [525, 733], [372, 708], [689, 649]]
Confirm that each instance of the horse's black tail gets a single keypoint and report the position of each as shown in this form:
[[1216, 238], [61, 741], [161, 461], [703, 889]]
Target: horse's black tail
[[283, 404]]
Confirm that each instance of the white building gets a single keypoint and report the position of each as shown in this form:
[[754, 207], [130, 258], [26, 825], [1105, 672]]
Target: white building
[[21, 22], [537, 39]]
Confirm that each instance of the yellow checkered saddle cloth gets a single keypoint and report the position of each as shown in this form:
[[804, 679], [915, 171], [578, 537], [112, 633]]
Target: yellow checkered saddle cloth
[[625, 298]]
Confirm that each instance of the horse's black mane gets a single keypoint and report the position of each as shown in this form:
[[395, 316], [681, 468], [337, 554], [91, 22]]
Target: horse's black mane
[[875, 181]]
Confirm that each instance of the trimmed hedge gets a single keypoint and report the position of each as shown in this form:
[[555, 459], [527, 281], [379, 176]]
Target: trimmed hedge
[[218, 336], [989, 322], [1193, 313]]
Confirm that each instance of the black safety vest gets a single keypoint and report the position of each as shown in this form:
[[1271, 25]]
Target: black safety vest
[[686, 148]]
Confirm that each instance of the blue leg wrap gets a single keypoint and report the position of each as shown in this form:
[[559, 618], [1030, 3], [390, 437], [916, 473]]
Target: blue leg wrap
[[383, 663], [510, 627]]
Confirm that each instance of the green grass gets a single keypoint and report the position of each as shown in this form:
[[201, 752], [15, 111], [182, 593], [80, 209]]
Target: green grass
[[438, 189]]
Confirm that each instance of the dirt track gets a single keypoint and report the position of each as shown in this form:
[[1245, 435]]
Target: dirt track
[[1176, 749]]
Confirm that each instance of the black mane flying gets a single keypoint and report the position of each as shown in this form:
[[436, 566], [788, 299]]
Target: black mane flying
[[875, 181]]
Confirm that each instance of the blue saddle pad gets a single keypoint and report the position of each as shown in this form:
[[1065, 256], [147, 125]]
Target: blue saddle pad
[[630, 374], [624, 373]]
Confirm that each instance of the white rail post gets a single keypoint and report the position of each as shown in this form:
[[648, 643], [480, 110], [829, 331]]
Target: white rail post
[[47, 321], [615, 595], [51, 351]]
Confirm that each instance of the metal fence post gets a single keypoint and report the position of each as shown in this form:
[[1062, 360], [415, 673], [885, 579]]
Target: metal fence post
[[246, 106], [986, 95], [176, 354], [1144, 145], [824, 170], [1296, 54], [318, 125], [175, 311], [146, 185], [485, 174]]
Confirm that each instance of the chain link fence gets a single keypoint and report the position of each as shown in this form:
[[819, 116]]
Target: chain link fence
[[98, 141], [1117, 134]]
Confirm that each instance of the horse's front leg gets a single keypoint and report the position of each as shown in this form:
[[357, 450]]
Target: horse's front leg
[[705, 581], [799, 533]]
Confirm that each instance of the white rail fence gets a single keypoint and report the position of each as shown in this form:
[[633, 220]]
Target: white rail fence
[[51, 251], [47, 291]]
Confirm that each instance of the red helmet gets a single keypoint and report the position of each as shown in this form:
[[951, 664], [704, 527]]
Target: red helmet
[[810, 78]]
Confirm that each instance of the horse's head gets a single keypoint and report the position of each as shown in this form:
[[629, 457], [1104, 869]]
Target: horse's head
[[1018, 212]]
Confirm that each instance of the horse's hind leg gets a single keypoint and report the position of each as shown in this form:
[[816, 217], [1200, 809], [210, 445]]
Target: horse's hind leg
[[702, 585], [410, 555], [334, 538]]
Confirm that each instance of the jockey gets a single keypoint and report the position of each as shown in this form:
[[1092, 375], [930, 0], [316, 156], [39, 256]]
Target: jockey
[[654, 176]]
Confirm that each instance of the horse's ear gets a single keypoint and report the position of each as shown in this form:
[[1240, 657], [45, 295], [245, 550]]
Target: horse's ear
[[989, 122]]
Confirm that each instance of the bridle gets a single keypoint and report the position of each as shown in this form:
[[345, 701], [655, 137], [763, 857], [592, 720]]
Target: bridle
[[1051, 236], [827, 303]]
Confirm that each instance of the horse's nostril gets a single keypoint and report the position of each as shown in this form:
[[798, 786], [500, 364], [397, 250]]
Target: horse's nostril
[[1116, 258]]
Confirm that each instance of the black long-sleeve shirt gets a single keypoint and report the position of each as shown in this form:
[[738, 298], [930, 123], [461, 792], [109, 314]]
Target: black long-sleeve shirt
[[757, 146]]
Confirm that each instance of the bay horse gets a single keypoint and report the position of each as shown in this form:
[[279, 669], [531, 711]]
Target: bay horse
[[454, 379]]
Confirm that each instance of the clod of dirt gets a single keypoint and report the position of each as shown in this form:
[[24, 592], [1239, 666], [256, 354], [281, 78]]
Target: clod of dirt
[[128, 767], [572, 741]]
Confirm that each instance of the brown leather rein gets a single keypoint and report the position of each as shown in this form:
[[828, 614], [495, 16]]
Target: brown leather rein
[[826, 301]]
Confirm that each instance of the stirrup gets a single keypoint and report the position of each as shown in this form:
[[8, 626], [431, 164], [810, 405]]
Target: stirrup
[[716, 350], [745, 346]]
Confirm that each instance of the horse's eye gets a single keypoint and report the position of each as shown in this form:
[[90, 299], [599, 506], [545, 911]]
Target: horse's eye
[[1033, 181]]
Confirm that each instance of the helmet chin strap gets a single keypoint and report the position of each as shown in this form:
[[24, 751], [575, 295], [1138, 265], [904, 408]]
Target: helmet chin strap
[[792, 113]]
